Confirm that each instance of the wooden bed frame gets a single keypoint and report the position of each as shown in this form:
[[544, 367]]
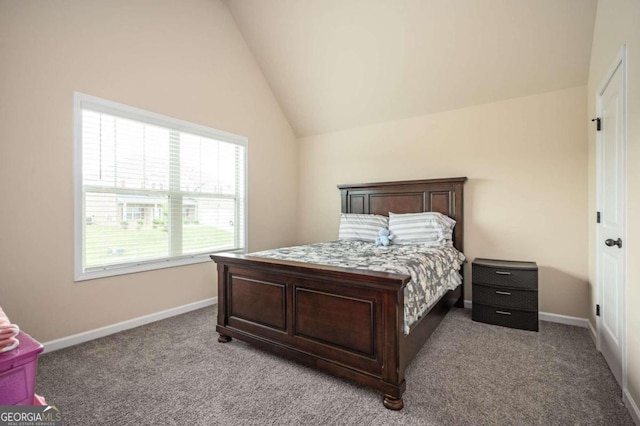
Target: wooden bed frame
[[345, 321]]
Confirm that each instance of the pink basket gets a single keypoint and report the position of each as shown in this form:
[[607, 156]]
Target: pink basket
[[18, 370]]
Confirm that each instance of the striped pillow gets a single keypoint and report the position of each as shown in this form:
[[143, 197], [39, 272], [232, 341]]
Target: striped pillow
[[432, 228], [361, 226]]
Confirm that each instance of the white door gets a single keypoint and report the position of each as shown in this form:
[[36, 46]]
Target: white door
[[610, 234]]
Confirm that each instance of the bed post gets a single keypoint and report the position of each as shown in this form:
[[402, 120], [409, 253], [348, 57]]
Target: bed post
[[222, 302], [459, 232], [392, 374]]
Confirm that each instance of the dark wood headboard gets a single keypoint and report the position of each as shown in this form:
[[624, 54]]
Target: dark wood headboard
[[413, 196]]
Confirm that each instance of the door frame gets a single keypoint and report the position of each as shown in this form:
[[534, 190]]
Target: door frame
[[619, 62]]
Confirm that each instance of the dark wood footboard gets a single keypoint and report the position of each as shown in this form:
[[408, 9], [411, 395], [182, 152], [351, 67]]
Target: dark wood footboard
[[343, 321]]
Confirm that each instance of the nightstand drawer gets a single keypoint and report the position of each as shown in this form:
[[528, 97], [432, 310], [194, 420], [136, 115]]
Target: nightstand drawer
[[507, 298], [504, 277], [525, 320]]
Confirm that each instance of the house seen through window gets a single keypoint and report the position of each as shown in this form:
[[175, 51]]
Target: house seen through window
[[152, 191]]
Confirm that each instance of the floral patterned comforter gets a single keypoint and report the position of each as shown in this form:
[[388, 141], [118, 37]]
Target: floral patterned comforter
[[433, 271]]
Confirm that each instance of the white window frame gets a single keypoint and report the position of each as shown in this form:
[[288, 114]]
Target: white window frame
[[81, 100]]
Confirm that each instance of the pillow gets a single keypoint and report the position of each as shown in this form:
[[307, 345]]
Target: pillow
[[431, 228], [361, 226]]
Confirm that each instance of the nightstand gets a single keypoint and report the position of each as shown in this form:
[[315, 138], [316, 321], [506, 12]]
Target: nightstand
[[505, 293]]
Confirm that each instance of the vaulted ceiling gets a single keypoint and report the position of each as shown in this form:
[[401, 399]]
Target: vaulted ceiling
[[339, 64]]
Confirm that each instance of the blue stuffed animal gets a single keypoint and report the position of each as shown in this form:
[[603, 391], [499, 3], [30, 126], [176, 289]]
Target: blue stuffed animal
[[384, 237]]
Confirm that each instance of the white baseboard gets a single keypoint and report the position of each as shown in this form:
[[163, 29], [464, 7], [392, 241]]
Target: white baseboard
[[546, 316], [76, 339], [594, 335], [564, 319], [631, 406]]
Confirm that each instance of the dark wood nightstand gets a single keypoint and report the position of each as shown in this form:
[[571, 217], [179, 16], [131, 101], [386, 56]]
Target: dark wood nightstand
[[505, 293]]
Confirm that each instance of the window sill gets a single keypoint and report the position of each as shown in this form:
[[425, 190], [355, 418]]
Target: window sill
[[116, 270]]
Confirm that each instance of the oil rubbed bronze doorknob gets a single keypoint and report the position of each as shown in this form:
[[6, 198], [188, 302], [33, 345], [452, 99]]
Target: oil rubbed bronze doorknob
[[612, 243]]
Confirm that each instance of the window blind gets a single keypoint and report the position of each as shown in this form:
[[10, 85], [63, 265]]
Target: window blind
[[153, 192]]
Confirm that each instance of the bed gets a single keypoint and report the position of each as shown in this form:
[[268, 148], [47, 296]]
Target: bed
[[348, 322]]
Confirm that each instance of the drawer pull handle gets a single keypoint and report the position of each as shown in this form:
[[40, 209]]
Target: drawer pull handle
[[503, 273], [503, 313], [506, 293]]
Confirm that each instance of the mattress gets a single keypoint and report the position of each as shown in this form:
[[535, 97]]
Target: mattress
[[433, 271]]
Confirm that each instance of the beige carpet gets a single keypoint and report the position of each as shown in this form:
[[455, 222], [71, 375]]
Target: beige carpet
[[174, 372]]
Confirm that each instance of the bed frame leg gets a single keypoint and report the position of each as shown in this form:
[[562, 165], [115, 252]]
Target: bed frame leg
[[393, 403], [224, 339]]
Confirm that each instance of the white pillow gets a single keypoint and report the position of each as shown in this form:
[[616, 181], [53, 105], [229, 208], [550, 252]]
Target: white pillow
[[431, 228], [361, 226]]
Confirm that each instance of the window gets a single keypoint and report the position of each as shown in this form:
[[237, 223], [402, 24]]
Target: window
[[153, 191]]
